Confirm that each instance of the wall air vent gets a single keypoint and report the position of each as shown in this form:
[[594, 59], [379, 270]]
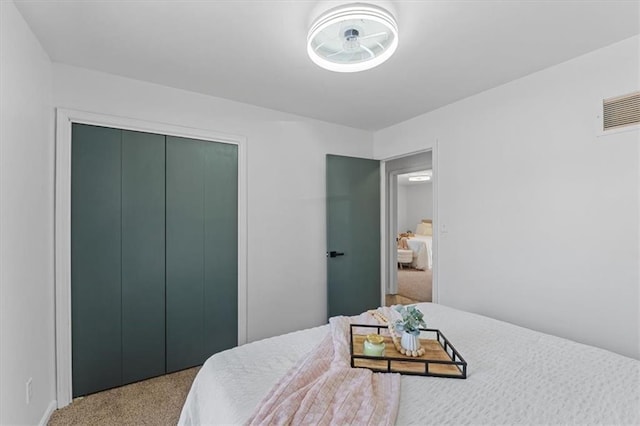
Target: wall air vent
[[621, 111]]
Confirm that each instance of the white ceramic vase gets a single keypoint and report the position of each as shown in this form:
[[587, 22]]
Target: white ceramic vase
[[410, 342]]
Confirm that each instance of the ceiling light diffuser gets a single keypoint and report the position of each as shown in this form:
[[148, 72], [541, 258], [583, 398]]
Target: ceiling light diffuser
[[419, 178], [353, 37]]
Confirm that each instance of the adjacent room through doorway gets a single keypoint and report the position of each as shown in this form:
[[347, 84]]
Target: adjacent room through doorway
[[415, 236], [409, 229]]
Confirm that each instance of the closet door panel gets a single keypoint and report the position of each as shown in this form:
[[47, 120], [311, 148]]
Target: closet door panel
[[185, 253], [143, 255], [221, 247], [95, 258]]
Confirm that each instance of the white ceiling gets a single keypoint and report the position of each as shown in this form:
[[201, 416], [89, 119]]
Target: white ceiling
[[255, 51]]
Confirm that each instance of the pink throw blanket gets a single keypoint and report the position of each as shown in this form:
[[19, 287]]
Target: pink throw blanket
[[323, 389]]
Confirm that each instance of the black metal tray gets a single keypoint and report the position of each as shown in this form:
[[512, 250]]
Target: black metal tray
[[441, 359]]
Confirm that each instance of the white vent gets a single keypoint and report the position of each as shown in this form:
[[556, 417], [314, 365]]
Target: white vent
[[621, 111]]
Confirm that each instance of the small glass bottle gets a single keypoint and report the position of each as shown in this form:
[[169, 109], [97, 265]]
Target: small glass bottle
[[374, 345]]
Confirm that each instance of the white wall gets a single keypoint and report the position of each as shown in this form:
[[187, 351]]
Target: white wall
[[286, 166], [401, 212], [519, 168], [26, 223], [415, 202]]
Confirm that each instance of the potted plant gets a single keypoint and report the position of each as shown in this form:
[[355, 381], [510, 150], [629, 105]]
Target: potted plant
[[409, 326]]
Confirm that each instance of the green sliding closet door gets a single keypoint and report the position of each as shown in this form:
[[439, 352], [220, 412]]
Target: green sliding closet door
[[143, 281], [220, 247], [201, 250], [95, 258], [185, 254], [117, 257], [154, 234]]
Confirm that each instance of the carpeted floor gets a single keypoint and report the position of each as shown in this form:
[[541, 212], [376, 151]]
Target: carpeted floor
[[156, 401], [396, 299], [415, 284]]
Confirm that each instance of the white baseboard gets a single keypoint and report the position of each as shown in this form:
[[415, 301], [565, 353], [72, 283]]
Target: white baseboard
[[47, 414]]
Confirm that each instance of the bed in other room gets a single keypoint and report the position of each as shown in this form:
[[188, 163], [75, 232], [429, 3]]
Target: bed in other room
[[421, 243]]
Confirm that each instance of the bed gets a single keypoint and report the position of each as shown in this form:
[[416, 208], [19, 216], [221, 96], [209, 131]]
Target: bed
[[421, 244], [422, 251], [515, 376]]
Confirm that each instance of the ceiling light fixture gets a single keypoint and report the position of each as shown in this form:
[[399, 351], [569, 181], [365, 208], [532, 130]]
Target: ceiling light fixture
[[419, 178], [353, 37]]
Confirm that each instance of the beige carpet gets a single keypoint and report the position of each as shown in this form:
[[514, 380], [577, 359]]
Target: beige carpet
[[396, 299], [156, 401], [415, 284]]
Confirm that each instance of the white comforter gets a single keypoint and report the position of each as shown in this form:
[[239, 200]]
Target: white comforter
[[515, 376], [422, 249]]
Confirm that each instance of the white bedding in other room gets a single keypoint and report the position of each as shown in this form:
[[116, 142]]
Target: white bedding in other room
[[421, 246], [515, 376]]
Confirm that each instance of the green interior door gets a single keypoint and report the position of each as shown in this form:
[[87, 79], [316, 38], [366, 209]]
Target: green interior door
[[353, 235]]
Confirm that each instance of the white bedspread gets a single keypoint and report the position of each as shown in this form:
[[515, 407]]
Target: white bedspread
[[422, 249], [515, 376]]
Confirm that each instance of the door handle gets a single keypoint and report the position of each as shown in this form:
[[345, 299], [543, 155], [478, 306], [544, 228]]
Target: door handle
[[335, 254]]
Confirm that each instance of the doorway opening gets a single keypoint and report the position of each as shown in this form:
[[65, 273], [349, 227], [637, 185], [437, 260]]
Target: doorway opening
[[409, 236], [414, 238]]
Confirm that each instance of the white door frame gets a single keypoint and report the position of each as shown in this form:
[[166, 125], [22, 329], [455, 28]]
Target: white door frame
[[64, 120], [388, 255]]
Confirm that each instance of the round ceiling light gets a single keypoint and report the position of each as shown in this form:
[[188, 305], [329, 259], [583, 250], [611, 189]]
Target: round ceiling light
[[353, 37]]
